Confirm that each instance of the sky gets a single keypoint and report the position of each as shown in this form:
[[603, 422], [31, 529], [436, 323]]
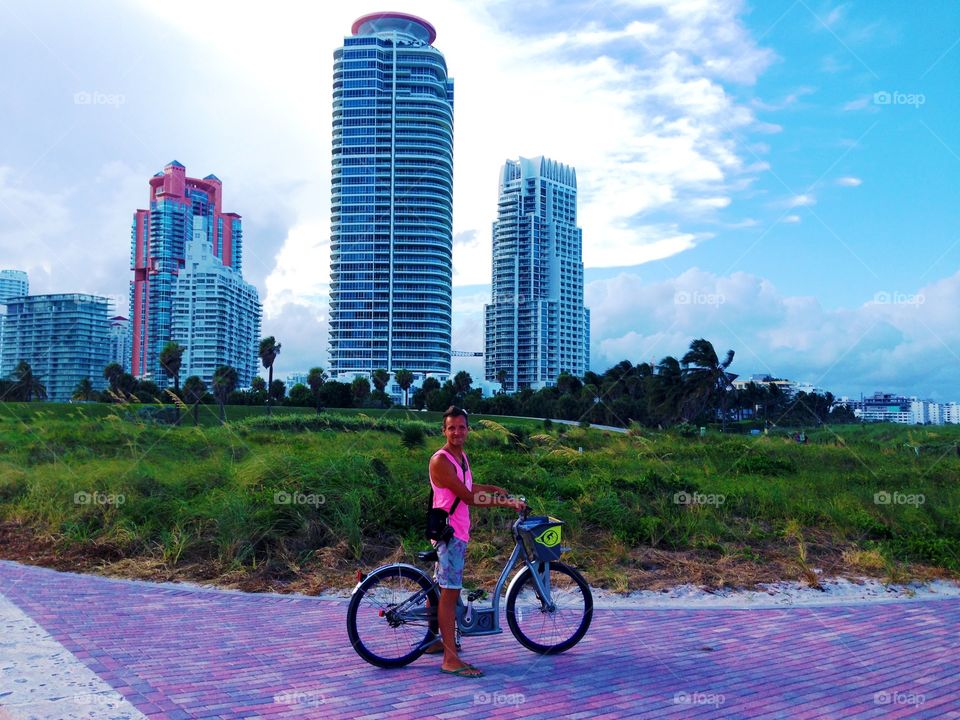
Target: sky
[[779, 177]]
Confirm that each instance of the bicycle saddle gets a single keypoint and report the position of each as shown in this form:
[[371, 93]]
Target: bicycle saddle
[[427, 555]]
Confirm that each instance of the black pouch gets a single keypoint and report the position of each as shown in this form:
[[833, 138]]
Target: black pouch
[[438, 521]]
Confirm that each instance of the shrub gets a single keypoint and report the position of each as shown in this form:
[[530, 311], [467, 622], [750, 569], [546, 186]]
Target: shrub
[[412, 436]]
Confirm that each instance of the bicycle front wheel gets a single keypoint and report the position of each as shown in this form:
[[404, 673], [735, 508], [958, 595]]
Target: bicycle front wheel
[[386, 624], [536, 626]]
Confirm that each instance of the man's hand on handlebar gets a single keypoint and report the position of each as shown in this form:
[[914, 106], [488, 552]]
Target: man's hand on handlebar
[[517, 502]]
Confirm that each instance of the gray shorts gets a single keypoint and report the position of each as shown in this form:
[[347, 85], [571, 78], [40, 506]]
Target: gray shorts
[[449, 568]]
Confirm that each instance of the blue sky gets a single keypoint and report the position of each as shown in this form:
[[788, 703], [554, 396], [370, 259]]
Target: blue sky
[[779, 177]]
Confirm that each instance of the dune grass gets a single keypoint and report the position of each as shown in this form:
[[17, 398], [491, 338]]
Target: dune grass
[[267, 493]]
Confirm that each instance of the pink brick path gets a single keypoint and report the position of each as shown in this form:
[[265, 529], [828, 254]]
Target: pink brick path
[[189, 653]]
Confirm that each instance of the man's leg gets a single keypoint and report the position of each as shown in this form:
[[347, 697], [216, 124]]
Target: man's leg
[[450, 578]]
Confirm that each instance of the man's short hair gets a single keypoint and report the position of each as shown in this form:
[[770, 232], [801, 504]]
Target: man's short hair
[[454, 411]]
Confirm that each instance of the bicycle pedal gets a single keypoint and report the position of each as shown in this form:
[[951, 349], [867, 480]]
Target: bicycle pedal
[[477, 595]]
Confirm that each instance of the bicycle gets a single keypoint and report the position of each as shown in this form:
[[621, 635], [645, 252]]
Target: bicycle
[[549, 605]]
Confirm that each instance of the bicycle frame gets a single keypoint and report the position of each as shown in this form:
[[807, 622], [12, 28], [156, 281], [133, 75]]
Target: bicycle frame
[[477, 621]]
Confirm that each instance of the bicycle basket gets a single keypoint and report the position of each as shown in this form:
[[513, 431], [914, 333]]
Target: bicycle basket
[[541, 537]]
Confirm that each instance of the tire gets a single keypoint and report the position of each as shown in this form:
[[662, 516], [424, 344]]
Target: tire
[[547, 632], [371, 634]]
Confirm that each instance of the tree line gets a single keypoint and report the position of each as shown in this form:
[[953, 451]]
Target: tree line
[[694, 389]]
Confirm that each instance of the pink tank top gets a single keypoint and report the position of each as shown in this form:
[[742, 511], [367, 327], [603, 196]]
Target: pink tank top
[[443, 498]]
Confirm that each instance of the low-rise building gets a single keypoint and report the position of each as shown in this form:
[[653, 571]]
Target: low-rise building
[[64, 337]]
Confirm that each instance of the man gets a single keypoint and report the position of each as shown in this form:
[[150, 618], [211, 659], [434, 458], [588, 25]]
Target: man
[[451, 478]]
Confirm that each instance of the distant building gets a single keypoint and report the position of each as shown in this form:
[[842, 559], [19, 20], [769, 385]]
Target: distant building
[[13, 283], [951, 413], [536, 326], [159, 239], [296, 379], [887, 407], [120, 342], [215, 314], [787, 387], [391, 272], [65, 338]]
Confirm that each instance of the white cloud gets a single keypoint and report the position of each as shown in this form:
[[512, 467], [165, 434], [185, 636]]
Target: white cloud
[[802, 200], [862, 103], [789, 100], [791, 219], [42, 234], [849, 182], [884, 344]]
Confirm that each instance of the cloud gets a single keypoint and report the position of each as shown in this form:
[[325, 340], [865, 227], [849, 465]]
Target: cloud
[[790, 100], [651, 75], [303, 331], [862, 103], [802, 200], [849, 182], [791, 219], [43, 234], [900, 340]]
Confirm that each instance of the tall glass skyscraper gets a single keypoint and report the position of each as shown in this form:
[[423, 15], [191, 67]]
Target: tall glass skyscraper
[[391, 244], [536, 324], [181, 210]]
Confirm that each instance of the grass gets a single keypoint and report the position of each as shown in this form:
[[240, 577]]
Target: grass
[[297, 494]]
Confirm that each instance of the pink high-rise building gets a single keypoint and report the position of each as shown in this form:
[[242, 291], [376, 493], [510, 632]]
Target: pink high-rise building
[[182, 209]]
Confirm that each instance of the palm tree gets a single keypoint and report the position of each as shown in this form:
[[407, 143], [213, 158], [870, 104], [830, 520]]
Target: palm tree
[[665, 395], [316, 377], [194, 388], [113, 372], [269, 349], [26, 384], [171, 358], [502, 379], [83, 391], [461, 383], [224, 382], [404, 378], [360, 388], [705, 379], [380, 379]]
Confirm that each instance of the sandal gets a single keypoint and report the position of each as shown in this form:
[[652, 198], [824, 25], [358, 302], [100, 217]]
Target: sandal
[[467, 671]]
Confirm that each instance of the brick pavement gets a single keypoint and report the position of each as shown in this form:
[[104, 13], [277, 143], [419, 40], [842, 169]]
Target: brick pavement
[[178, 652]]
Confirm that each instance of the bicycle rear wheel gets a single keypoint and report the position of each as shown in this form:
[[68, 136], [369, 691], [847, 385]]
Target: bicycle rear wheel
[[536, 626], [385, 627]]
